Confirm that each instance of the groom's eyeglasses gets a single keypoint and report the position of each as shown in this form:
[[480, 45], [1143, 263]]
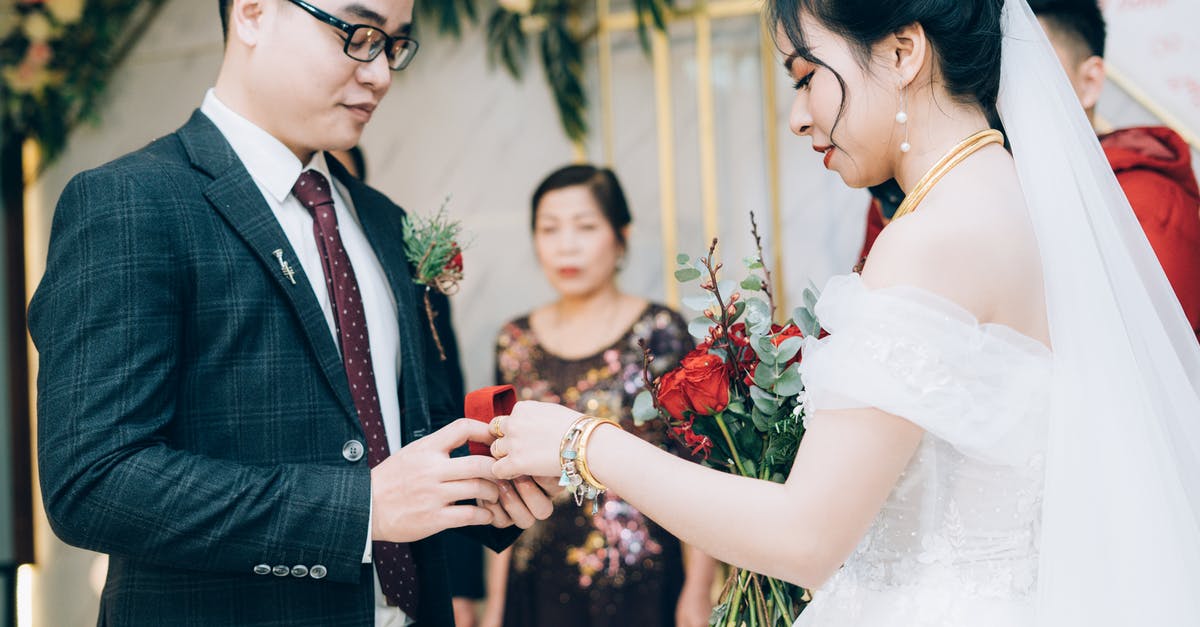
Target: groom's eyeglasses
[[364, 42]]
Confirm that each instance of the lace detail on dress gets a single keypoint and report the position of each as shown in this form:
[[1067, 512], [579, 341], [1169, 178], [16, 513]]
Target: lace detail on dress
[[956, 542]]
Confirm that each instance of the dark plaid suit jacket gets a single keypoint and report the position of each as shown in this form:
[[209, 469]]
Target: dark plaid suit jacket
[[192, 404]]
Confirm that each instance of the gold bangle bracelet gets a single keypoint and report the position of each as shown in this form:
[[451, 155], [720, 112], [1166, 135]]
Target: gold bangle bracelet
[[584, 437]]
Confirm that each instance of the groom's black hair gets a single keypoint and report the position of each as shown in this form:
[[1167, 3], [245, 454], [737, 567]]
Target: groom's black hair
[[964, 34], [1080, 21], [223, 6]]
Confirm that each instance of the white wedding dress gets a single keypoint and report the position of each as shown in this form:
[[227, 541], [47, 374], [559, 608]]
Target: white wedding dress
[[1046, 482], [956, 542]]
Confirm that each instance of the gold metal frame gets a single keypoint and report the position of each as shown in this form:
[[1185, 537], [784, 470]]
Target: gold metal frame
[[1120, 79], [702, 14]]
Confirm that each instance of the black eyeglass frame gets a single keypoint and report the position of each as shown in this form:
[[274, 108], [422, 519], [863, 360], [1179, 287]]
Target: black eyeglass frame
[[348, 28]]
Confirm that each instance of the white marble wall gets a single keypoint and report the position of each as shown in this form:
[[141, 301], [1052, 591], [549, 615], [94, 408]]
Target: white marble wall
[[454, 126]]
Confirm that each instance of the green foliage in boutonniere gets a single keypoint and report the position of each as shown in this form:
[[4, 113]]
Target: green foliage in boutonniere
[[431, 246]]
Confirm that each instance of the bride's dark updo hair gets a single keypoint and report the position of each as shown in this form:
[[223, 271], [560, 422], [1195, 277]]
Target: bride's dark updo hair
[[964, 34]]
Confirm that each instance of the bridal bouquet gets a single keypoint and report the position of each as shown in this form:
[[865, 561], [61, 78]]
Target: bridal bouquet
[[734, 402], [431, 246]]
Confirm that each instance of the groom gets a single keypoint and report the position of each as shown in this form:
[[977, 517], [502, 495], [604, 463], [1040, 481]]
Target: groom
[[238, 399]]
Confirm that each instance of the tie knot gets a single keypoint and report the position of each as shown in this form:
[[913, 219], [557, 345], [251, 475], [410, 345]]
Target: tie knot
[[312, 190]]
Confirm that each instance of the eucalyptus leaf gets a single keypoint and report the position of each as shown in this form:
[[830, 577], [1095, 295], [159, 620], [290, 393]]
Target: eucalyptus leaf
[[766, 375], [682, 259], [750, 467], [752, 263], [789, 348], [807, 322], [685, 275], [727, 287], [752, 283], [765, 350], [700, 328], [766, 402], [789, 383], [643, 408], [761, 420], [699, 302], [810, 298], [758, 316]]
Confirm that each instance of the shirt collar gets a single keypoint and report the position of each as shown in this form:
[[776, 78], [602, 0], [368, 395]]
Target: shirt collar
[[270, 163]]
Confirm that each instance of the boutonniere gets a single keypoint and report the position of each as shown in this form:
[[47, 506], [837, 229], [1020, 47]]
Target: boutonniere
[[431, 245]]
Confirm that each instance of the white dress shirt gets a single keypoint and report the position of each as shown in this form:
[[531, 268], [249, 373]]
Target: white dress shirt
[[275, 169]]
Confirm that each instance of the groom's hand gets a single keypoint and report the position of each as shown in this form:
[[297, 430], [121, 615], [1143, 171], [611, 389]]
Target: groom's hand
[[523, 501], [416, 490]]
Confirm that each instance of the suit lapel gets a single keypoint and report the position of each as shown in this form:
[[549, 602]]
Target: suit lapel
[[382, 222], [235, 196]]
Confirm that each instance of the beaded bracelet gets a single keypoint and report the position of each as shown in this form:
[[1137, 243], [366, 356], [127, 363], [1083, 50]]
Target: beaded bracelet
[[576, 477]]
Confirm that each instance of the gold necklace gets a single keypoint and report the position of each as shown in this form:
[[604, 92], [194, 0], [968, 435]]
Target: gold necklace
[[957, 155]]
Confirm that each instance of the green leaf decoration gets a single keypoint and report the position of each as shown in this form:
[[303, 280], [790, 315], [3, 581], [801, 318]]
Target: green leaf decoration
[[807, 322], [810, 297], [686, 275], [765, 375], [762, 421], [700, 328], [506, 41], [562, 58], [51, 86], [765, 350], [752, 283], [789, 348], [753, 263], [643, 408], [699, 302], [764, 401], [789, 383], [758, 316], [448, 15], [682, 259]]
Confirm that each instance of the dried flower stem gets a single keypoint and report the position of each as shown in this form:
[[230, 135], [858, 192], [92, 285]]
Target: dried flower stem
[[762, 259]]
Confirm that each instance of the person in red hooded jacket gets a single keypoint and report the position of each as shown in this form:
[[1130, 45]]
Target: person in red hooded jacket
[[1153, 164]]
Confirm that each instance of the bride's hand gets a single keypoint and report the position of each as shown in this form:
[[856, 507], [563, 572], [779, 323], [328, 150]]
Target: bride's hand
[[531, 437]]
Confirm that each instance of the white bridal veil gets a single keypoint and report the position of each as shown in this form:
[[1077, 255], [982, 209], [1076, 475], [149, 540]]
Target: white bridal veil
[[1121, 515]]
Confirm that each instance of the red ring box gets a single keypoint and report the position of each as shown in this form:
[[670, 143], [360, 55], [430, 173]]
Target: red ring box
[[487, 403]]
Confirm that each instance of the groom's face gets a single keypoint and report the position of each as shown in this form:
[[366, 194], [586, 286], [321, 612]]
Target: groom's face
[[314, 96]]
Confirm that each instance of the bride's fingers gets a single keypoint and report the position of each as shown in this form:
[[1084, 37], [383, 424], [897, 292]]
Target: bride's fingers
[[500, 518], [535, 498], [514, 504], [500, 448]]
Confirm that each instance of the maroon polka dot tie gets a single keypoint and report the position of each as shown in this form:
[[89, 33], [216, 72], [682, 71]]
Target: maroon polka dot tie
[[393, 561]]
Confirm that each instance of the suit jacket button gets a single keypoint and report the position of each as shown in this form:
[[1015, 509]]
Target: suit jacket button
[[262, 569], [281, 571], [299, 571], [317, 572], [352, 450]]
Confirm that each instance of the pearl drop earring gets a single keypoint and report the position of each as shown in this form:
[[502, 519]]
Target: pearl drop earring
[[902, 119]]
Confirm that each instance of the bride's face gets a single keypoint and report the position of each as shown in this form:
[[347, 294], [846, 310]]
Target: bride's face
[[852, 121]]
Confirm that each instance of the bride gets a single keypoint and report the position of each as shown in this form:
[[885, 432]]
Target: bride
[[1004, 424]]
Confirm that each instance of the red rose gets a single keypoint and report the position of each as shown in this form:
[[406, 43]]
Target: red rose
[[456, 261], [670, 395], [705, 381]]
